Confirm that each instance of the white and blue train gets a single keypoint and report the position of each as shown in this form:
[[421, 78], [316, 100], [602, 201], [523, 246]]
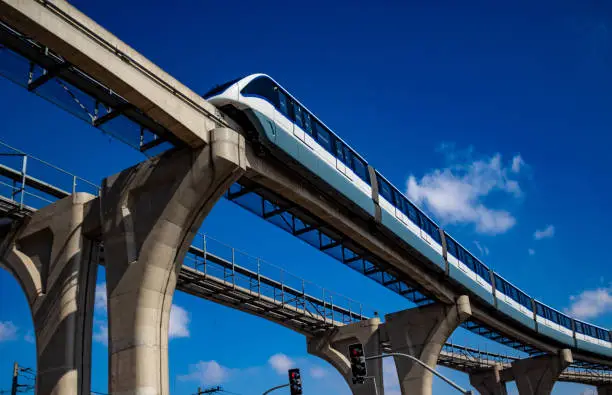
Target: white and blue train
[[280, 122]]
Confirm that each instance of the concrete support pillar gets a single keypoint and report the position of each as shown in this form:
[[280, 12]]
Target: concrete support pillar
[[421, 332], [604, 390], [537, 375], [56, 267], [150, 214], [488, 381], [333, 348]]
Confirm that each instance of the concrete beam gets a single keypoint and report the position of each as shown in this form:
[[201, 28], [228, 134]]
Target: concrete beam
[[56, 267], [93, 49], [150, 214], [538, 375], [333, 208], [333, 348], [421, 332], [488, 381]]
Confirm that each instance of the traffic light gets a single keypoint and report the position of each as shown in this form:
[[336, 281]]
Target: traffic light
[[295, 382], [358, 362]]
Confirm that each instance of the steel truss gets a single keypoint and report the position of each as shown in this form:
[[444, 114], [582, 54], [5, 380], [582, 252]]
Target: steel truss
[[45, 73]]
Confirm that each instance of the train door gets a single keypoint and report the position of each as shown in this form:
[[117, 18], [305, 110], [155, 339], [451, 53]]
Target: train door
[[283, 120], [309, 138], [298, 124], [342, 157]]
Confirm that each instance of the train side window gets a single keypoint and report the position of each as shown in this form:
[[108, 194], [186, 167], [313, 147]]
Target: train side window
[[385, 189], [566, 321], [323, 137], [339, 151], [451, 246], [347, 156], [483, 271], [398, 201], [297, 115], [412, 213], [307, 123], [290, 106], [499, 283], [579, 327], [360, 168], [525, 301], [282, 99], [469, 261]]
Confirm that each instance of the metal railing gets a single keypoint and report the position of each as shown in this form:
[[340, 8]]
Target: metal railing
[[25, 186], [263, 279]]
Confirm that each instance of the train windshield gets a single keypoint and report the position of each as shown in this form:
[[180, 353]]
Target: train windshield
[[219, 88]]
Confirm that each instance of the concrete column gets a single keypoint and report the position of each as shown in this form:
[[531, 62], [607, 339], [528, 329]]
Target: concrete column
[[537, 375], [150, 214], [56, 267], [604, 390], [488, 381], [333, 348], [421, 332]]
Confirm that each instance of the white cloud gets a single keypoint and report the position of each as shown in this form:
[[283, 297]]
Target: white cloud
[[8, 331], [531, 251], [591, 303], [179, 322], [281, 363], [545, 233], [517, 163], [100, 296], [29, 337], [456, 194], [100, 334], [208, 373], [483, 249], [317, 372]]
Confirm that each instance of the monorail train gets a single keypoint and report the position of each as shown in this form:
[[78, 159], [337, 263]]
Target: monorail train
[[282, 123]]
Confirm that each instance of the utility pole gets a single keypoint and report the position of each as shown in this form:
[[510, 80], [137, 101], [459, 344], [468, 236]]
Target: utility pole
[[15, 379], [211, 390]]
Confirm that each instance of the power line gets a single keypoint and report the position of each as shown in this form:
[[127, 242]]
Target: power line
[[210, 390]]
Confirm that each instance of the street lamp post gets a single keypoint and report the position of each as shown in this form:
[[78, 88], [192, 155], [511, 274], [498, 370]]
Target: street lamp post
[[275, 388], [397, 354]]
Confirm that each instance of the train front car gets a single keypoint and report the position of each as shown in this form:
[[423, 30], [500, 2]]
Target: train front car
[[288, 128]]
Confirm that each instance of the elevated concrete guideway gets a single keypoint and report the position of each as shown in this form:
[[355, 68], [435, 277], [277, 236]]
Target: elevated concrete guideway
[[100, 54], [212, 271]]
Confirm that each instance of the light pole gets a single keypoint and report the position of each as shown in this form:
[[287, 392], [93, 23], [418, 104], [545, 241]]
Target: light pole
[[397, 354]]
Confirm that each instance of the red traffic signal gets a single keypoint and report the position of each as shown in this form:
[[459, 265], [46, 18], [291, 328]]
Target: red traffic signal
[[295, 382], [358, 362]]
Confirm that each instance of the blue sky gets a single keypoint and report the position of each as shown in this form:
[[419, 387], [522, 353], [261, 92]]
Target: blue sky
[[494, 118]]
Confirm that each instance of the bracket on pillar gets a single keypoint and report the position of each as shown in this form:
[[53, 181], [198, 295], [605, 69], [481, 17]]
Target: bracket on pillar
[[537, 375], [421, 332], [488, 381]]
